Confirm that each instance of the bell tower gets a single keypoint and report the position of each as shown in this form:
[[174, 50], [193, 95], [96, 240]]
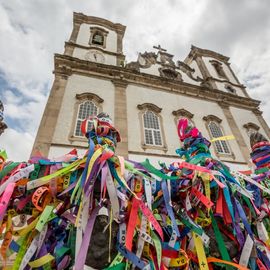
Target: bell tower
[[96, 40], [80, 87]]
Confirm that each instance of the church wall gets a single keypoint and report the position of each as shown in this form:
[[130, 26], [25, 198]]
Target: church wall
[[78, 84], [153, 70], [170, 102], [84, 36], [187, 79], [58, 151], [243, 117]]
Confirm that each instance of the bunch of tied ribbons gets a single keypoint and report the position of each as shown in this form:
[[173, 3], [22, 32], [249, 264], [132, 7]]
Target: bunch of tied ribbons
[[192, 214]]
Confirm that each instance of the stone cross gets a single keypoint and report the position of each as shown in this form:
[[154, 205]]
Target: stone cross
[[159, 48]]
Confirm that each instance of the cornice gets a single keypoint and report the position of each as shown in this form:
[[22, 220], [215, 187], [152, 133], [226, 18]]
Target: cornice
[[257, 111], [149, 106], [81, 18], [183, 112], [212, 117], [109, 72], [89, 96], [195, 51], [228, 82]]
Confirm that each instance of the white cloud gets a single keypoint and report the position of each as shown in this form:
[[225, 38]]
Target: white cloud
[[18, 145], [33, 30]]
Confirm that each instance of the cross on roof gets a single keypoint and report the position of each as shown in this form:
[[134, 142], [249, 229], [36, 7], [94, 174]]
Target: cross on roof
[[159, 48]]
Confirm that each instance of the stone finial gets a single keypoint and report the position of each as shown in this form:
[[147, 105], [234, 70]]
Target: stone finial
[[3, 125], [256, 137]]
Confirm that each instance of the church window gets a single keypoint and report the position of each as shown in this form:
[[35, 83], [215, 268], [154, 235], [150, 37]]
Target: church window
[[87, 104], [219, 69], [216, 132], [151, 129], [214, 127], [86, 109], [152, 132]]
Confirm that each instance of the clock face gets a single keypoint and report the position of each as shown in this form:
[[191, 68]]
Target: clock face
[[95, 56]]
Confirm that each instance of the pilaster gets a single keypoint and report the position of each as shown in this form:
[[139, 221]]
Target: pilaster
[[236, 131], [48, 122], [75, 32], [120, 116]]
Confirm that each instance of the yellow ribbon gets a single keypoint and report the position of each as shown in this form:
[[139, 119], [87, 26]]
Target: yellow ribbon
[[223, 138], [46, 179], [41, 261], [200, 252], [28, 228]]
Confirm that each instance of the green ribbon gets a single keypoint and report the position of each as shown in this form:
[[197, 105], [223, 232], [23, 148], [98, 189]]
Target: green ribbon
[[157, 246], [22, 250], [221, 244], [146, 164], [119, 266], [61, 251], [44, 218], [193, 227], [8, 169]]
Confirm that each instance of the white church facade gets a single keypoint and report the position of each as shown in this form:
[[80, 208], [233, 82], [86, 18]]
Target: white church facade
[[145, 98]]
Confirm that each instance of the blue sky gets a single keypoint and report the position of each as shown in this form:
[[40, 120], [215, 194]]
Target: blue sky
[[31, 31]]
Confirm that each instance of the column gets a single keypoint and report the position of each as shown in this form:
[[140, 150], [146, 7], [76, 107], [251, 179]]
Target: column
[[120, 116]]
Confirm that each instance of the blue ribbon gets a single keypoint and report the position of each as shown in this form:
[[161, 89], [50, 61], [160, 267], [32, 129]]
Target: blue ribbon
[[244, 218], [131, 257], [169, 207]]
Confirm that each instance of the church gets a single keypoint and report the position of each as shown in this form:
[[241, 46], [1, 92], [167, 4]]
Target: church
[[145, 98]]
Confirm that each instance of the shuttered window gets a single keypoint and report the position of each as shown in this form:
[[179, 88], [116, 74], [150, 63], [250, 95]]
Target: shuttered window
[[86, 109], [152, 130]]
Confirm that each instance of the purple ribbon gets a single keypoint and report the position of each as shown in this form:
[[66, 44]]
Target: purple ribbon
[[80, 260]]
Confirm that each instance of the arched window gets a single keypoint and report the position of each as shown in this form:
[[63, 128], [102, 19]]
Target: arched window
[[213, 125], [86, 104], [152, 130], [216, 132], [86, 109]]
